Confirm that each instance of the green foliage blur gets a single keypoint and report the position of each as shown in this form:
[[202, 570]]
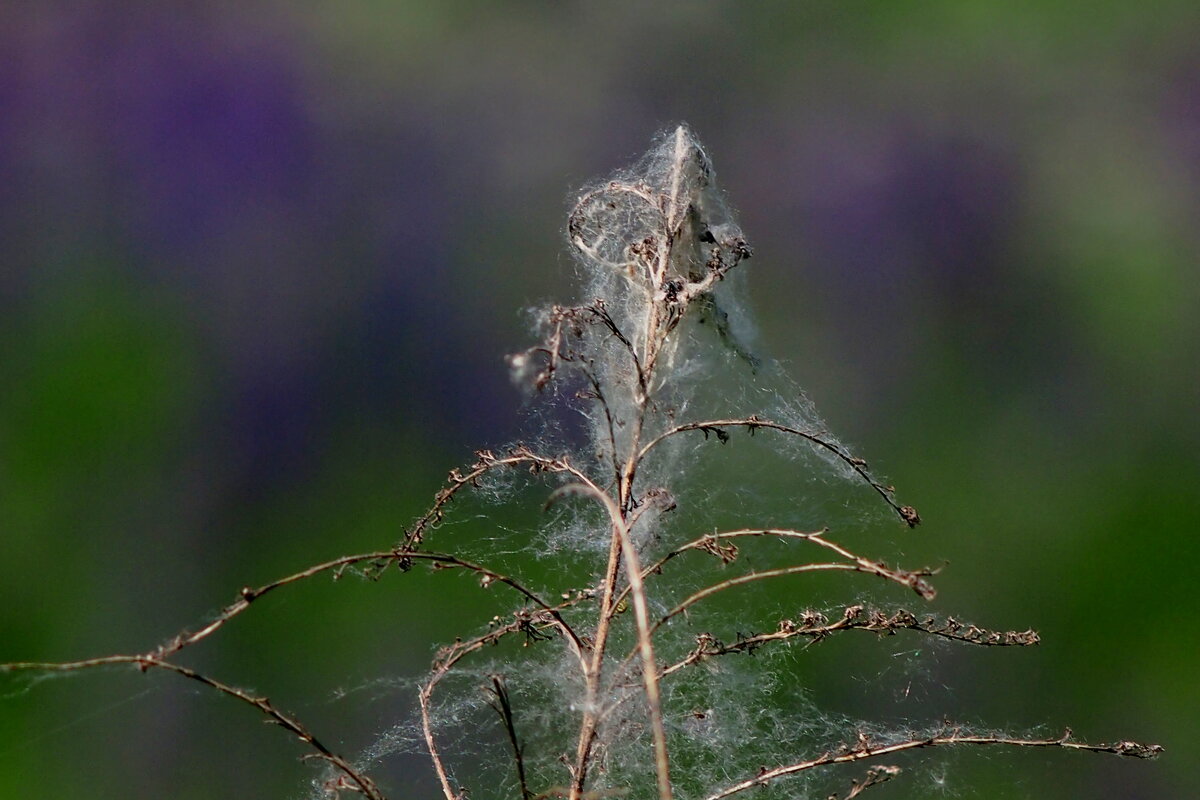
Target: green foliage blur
[[259, 267]]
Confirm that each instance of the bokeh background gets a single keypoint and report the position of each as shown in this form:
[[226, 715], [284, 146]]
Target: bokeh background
[[259, 264]]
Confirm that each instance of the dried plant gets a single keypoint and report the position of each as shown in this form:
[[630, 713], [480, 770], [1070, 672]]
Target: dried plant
[[622, 687]]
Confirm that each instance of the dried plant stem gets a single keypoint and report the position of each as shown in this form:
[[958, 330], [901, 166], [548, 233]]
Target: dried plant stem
[[876, 775], [519, 456], [741, 580], [869, 568], [551, 615], [378, 559], [816, 627], [645, 645], [649, 664], [351, 778], [531, 623], [503, 707], [864, 749], [591, 716], [906, 513], [655, 243], [912, 579]]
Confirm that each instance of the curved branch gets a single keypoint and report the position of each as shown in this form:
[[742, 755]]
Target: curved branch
[[445, 660], [575, 223], [864, 748], [532, 624], [709, 591], [709, 543], [351, 778], [914, 580], [600, 311], [881, 773], [815, 626], [381, 558], [487, 461], [906, 513]]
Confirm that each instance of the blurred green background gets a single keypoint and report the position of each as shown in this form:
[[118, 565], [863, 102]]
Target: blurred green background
[[259, 266]]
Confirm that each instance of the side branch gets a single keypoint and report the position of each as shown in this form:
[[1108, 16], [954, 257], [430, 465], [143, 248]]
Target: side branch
[[816, 626], [750, 577], [502, 705], [906, 513], [532, 624], [487, 461], [350, 779], [714, 543], [881, 773], [378, 560], [864, 748], [600, 311]]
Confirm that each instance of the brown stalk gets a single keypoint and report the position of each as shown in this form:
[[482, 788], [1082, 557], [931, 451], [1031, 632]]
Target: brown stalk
[[380, 558], [816, 627], [503, 706], [709, 591], [912, 579], [881, 773], [645, 646], [519, 456], [621, 547], [668, 292], [906, 513], [864, 748], [531, 623], [351, 778]]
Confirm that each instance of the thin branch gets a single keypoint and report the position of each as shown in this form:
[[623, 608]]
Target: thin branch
[[248, 595], [728, 553], [906, 513], [503, 707], [588, 725], [598, 396], [750, 577], [531, 623], [575, 222], [520, 456], [525, 621], [881, 773], [711, 543], [815, 626], [864, 748], [357, 781], [600, 311], [738, 581], [674, 215]]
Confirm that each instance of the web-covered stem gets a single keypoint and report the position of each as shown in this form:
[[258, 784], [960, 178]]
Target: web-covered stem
[[655, 244]]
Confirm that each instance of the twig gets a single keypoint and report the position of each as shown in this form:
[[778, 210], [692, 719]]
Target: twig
[[864, 748], [600, 311], [503, 707], [906, 513], [358, 781], [602, 401], [881, 773], [750, 577], [524, 621], [710, 543], [486, 462], [248, 595], [157, 658], [816, 626]]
